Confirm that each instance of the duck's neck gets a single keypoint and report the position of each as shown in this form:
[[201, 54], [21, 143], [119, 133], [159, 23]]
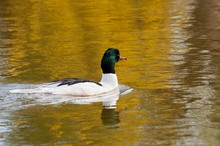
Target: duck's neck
[[108, 68], [109, 79]]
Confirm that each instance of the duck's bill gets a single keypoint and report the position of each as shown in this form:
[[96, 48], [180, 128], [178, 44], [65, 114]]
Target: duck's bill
[[122, 58]]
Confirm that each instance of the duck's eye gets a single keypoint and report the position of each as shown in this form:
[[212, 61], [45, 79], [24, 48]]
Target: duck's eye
[[118, 57]]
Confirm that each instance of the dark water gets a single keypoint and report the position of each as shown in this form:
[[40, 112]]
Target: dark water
[[173, 51]]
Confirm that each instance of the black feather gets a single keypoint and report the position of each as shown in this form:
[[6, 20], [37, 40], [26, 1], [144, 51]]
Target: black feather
[[72, 81]]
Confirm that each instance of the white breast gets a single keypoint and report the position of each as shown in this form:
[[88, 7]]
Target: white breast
[[109, 80], [109, 83]]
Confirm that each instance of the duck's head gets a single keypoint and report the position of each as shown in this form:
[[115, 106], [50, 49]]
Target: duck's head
[[110, 57]]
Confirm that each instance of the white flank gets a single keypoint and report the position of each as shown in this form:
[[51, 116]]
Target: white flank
[[109, 83]]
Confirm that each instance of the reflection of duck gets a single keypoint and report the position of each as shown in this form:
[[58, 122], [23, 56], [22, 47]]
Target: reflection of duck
[[82, 87], [109, 116]]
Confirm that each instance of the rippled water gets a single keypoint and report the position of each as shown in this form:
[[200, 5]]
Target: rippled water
[[173, 51]]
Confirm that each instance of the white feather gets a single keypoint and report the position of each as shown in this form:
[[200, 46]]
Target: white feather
[[109, 83]]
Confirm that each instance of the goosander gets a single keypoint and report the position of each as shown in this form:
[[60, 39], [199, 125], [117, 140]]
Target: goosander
[[83, 87]]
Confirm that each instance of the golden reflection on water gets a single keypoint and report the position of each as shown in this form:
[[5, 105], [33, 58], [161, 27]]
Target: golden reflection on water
[[170, 64], [55, 41]]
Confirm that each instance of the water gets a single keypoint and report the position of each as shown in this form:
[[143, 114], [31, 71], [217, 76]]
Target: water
[[172, 47]]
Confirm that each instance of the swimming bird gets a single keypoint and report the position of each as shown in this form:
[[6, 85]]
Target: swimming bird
[[84, 87]]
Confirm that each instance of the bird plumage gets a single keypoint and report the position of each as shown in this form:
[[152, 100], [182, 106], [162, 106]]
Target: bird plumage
[[84, 87]]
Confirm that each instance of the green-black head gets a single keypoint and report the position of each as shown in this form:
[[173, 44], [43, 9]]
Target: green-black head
[[110, 57]]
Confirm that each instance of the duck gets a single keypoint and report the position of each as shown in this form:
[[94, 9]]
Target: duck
[[84, 87]]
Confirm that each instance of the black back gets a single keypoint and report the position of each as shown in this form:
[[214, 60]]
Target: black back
[[72, 81]]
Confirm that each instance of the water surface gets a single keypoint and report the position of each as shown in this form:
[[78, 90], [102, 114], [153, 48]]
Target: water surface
[[172, 47]]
